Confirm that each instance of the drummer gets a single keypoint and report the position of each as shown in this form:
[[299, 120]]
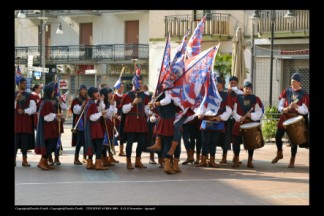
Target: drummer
[[246, 108], [294, 101]]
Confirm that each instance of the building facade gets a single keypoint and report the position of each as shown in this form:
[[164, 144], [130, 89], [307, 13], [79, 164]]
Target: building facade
[[96, 44]]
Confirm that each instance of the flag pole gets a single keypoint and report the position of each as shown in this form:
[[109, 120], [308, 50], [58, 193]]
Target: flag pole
[[58, 111], [157, 84]]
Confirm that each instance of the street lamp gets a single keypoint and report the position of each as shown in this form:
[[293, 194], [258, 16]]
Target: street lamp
[[255, 18], [42, 41]]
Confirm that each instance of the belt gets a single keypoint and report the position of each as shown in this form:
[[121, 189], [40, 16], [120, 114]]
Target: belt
[[135, 114], [291, 114]]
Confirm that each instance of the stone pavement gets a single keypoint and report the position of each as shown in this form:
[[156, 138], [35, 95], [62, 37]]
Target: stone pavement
[[69, 184]]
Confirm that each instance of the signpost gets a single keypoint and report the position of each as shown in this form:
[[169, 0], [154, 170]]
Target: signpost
[[40, 69]]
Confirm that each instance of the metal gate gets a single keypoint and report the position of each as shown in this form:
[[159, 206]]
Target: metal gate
[[296, 65]]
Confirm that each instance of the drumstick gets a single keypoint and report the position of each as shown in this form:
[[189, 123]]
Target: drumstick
[[247, 114]]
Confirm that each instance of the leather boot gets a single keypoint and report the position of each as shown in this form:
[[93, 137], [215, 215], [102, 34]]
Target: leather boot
[[203, 162], [50, 160], [99, 165], [41, 164], [105, 161], [171, 161], [84, 159], [76, 160], [292, 162], [190, 158], [212, 162], [24, 162], [250, 164], [157, 145], [224, 160], [167, 166], [112, 159], [236, 160], [121, 150], [278, 157], [176, 165], [90, 164], [173, 147], [240, 162], [198, 158], [161, 162], [152, 161], [138, 163], [57, 160], [49, 166], [129, 164]]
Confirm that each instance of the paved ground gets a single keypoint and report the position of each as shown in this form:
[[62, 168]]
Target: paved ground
[[68, 184]]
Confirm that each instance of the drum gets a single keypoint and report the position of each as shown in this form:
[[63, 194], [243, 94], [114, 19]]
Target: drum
[[252, 135], [296, 130]]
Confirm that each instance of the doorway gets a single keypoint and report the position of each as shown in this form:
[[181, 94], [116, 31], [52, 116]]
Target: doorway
[[131, 39]]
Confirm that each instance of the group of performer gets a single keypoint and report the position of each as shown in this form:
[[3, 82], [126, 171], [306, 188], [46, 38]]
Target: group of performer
[[103, 116]]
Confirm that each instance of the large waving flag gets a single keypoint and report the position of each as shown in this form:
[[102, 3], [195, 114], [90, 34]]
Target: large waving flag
[[178, 65], [194, 44], [135, 82], [118, 83], [64, 96], [18, 75], [165, 68], [138, 70], [196, 89], [57, 86]]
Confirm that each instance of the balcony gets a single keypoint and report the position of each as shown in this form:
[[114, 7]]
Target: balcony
[[85, 53], [300, 27], [216, 24]]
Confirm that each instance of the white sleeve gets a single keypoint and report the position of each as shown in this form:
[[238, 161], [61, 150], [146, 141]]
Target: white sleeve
[[257, 114], [281, 105], [303, 109], [166, 100], [238, 91], [110, 112], [226, 114], [127, 108], [147, 110], [32, 108], [64, 106], [50, 117], [102, 106], [235, 115], [77, 109], [95, 116]]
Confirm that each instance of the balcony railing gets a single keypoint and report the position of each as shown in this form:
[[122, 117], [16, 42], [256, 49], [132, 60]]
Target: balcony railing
[[62, 54], [301, 23], [216, 24]]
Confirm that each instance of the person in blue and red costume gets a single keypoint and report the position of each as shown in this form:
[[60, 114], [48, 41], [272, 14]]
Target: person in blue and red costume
[[77, 107], [107, 125], [118, 98], [25, 107], [93, 130], [233, 90], [294, 101], [60, 105], [134, 106], [48, 127], [165, 130], [213, 127], [246, 108]]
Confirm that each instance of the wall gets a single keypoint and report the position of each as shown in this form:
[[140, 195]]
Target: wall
[[26, 33], [156, 21]]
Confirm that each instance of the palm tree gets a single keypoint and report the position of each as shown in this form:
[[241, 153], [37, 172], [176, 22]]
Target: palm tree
[[223, 64]]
